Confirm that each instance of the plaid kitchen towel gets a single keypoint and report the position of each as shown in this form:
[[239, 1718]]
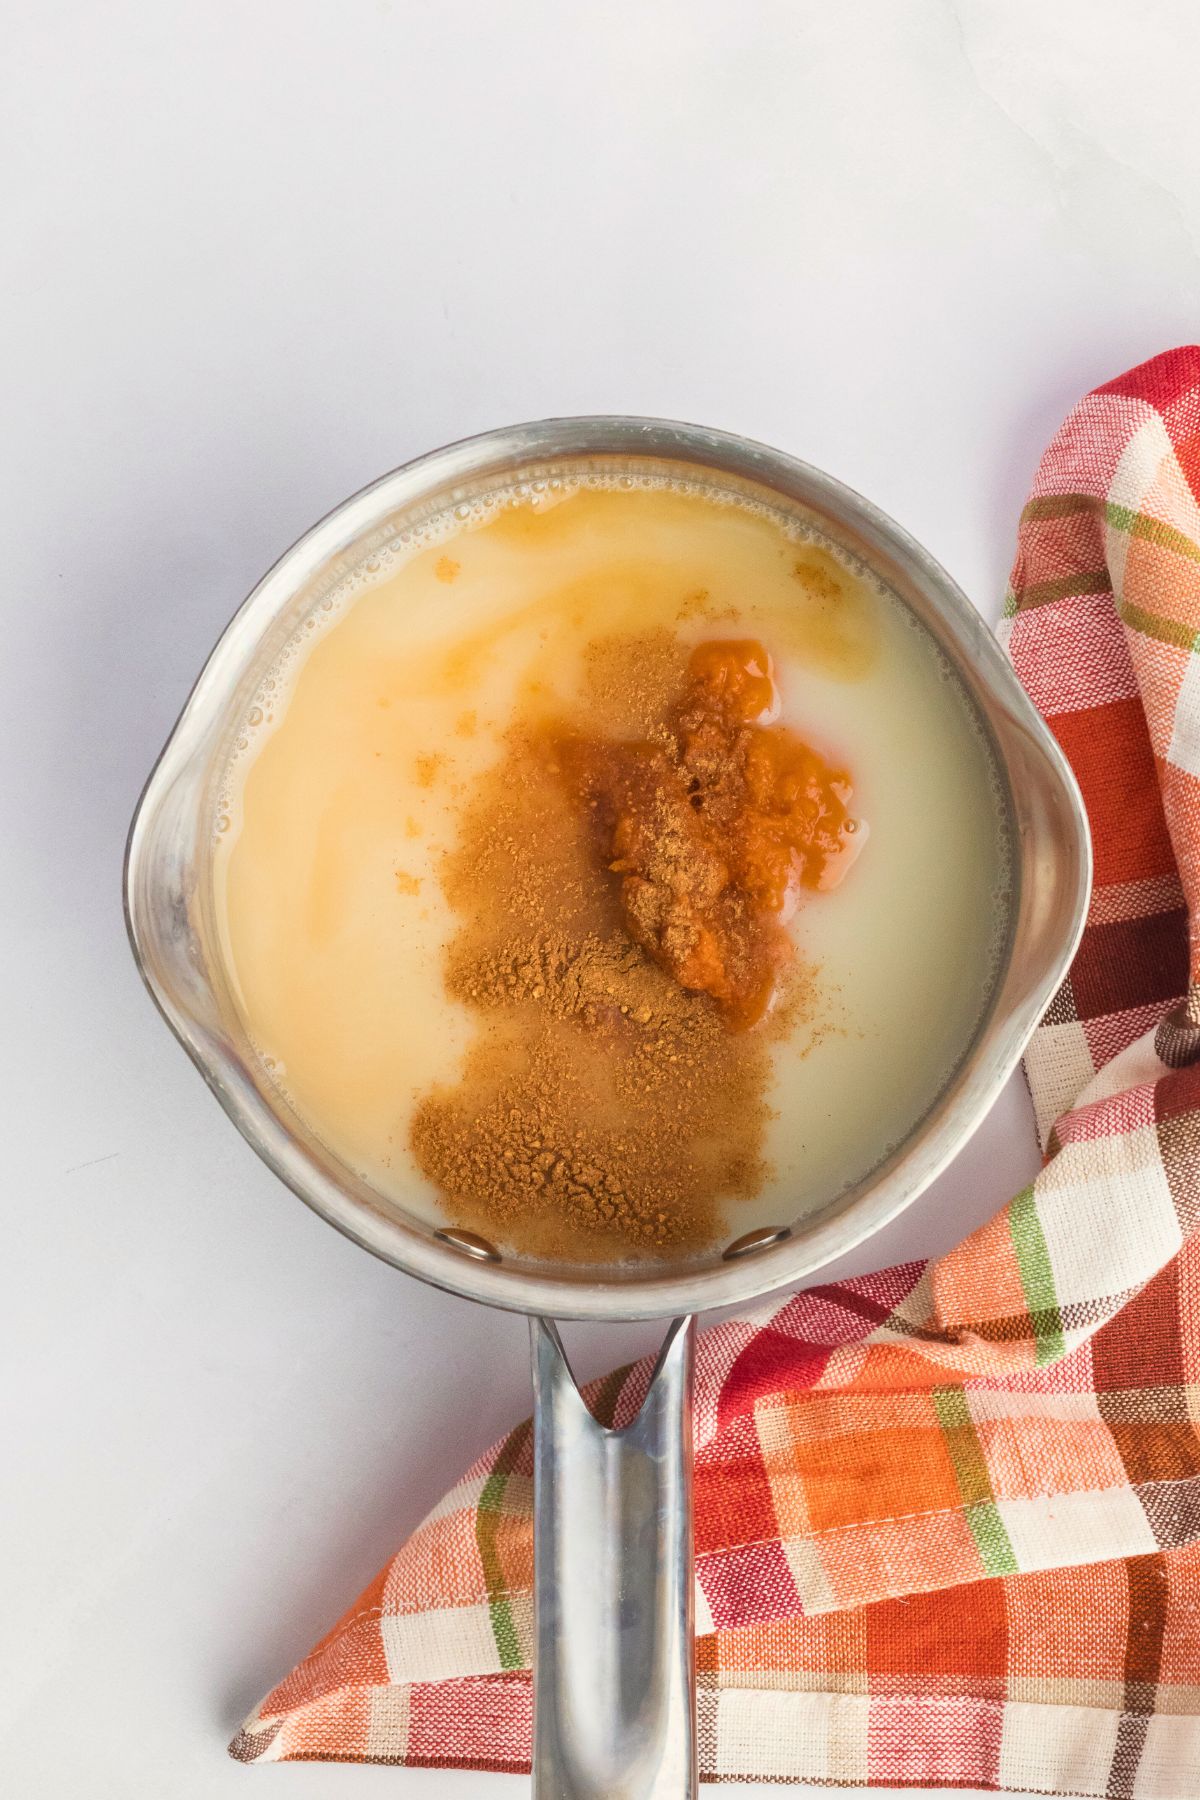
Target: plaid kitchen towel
[[947, 1516]]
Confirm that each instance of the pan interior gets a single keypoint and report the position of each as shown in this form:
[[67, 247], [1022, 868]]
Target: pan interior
[[809, 1193]]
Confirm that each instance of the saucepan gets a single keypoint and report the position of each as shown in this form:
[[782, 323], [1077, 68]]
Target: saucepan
[[614, 1707]]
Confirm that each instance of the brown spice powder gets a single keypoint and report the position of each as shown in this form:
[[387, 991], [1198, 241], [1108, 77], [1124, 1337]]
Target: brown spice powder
[[602, 1111]]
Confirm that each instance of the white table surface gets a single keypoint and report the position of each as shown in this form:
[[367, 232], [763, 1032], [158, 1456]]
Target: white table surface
[[256, 252]]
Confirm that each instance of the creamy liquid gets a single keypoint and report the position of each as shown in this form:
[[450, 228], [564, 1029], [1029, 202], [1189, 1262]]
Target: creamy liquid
[[365, 740]]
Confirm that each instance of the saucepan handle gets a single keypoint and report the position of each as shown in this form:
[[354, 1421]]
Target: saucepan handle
[[614, 1711]]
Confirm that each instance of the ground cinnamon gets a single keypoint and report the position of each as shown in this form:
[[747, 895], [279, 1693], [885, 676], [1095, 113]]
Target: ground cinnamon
[[605, 1108]]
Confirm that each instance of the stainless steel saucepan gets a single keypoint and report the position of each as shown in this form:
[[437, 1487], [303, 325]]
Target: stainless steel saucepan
[[614, 1670]]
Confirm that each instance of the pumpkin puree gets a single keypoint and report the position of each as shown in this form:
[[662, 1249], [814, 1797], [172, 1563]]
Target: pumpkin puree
[[714, 825]]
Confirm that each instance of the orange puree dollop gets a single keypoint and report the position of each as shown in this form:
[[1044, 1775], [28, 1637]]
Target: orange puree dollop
[[715, 825]]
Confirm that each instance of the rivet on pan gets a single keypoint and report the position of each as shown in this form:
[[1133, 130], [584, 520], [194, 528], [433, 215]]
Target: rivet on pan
[[762, 1239], [470, 1245]]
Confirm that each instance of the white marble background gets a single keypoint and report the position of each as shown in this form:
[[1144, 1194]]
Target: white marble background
[[255, 252]]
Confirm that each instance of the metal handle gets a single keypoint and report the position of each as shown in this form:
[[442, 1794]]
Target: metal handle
[[614, 1712]]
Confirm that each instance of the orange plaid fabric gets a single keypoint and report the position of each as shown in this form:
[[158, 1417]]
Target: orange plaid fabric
[[947, 1516]]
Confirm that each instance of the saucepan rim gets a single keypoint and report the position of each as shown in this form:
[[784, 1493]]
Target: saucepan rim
[[522, 1287]]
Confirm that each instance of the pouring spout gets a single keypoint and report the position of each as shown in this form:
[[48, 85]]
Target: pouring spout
[[614, 1641]]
